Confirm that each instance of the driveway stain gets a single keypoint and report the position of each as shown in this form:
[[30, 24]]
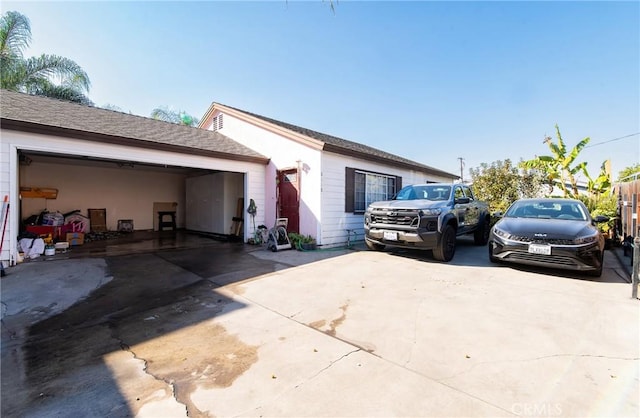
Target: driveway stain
[[206, 357], [336, 322], [320, 324]]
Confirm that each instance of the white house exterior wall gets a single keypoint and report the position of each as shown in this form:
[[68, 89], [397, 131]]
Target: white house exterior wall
[[12, 141], [336, 221], [283, 153]]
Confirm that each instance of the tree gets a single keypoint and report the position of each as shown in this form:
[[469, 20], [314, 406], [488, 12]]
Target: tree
[[179, 117], [113, 107], [561, 167], [601, 185], [629, 173], [501, 183], [46, 75]]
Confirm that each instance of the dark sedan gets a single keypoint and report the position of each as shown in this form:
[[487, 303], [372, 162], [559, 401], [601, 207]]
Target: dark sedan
[[557, 233]]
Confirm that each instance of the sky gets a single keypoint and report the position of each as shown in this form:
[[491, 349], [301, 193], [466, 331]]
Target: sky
[[442, 83]]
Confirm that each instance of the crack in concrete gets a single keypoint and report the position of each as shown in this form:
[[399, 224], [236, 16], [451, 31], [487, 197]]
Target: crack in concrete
[[319, 372], [328, 367], [295, 314], [536, 359], [125, 347], [415, 332]]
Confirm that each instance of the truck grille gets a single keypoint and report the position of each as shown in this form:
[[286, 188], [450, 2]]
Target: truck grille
[[406, 217]]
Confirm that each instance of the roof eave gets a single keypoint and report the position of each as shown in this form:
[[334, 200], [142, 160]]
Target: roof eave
[[37, 128], [278, 130], [207, 116], [378, 159]]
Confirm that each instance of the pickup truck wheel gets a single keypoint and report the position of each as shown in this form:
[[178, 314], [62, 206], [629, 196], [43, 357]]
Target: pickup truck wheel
[[481, 236], [447, 246], [374, 246]]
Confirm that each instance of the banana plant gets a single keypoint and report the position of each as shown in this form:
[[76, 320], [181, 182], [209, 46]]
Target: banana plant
[[560, 168]]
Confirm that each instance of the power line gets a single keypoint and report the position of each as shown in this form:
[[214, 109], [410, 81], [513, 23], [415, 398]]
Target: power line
[[611, 140]]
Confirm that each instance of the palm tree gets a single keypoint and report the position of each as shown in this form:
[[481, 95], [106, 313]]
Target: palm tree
[[179, 117], [37, 75]]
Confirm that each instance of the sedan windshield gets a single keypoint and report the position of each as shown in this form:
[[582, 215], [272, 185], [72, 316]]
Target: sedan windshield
[[424, 191], [553, 209]]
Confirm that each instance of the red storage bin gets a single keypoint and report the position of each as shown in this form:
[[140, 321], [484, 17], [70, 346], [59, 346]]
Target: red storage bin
[[55, 231]]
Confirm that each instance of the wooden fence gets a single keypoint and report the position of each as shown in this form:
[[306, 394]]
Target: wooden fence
[[628, 208]]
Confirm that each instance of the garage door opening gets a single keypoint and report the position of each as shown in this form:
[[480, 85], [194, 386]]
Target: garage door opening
[[127, 194]]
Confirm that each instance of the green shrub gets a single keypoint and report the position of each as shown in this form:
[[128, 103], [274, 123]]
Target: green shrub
[[298, 239]]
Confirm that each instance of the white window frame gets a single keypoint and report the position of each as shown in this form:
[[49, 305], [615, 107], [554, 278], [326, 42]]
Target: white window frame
[[375, 187]]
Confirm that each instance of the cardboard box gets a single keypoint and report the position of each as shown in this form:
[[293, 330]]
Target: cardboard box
[[75, 238]]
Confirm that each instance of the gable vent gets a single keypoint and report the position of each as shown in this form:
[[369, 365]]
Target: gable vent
[[217, 123]]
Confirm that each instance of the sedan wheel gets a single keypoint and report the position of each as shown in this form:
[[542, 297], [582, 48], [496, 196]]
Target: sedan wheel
[[598, 272]]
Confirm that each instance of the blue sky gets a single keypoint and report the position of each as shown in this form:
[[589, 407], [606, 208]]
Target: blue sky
[[430, 81]]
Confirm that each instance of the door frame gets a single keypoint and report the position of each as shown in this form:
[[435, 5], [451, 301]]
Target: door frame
[[280, 174]]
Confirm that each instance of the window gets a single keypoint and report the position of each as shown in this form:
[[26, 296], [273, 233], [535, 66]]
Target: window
[[364, 187]]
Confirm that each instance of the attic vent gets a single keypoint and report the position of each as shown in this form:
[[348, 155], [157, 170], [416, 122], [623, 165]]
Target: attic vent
[[217, 123]]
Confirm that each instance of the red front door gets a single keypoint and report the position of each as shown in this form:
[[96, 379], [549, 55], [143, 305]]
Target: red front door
[[289, 198]]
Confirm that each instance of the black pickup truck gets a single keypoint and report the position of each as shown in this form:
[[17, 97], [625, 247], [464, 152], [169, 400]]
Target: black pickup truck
[[428, 217]]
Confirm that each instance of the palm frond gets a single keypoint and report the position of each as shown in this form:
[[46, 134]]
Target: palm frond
[[12, 73], [56, 68], [179, 117], [15, 34], [165, 114], [49, 89]]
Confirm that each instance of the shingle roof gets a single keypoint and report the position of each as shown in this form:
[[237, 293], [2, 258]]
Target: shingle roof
[[343, 146], [45, 115]]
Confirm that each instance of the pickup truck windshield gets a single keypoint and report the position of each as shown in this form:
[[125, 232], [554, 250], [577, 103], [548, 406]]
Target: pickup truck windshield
[[424, 192]]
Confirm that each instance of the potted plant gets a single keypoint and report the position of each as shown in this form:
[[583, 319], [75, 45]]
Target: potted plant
[[302, 242]]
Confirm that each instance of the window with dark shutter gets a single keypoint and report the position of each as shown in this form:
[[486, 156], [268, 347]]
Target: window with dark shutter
[[364, 187], [349, 183]]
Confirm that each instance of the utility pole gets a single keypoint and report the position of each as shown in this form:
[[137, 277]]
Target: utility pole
[[461, 169]]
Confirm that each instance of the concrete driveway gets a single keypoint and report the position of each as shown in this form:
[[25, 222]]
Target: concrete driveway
[[331, 333]]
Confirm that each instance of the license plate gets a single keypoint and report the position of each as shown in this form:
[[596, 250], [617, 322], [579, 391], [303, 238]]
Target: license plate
[[390, 236], [540, 249]]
